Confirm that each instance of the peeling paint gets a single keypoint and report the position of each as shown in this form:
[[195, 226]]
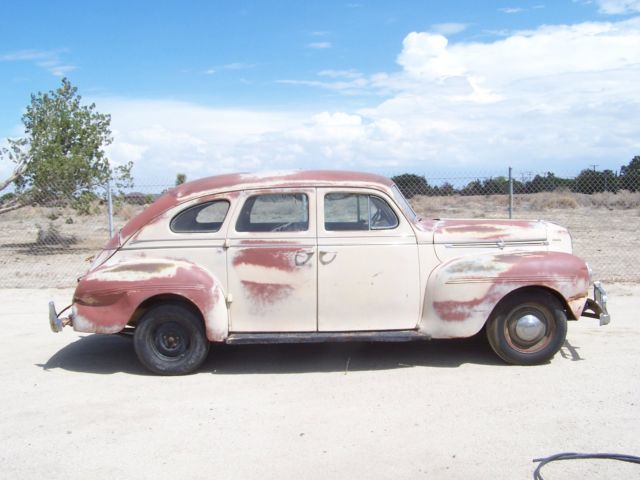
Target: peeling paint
[[465, 290], [474, 230], [267, 293], [281, 258], [106, 298]]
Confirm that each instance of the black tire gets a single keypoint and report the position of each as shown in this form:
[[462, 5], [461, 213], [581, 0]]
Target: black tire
[[528, 328], [170, 340]]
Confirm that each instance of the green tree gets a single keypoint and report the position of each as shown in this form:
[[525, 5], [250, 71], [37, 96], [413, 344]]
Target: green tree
[[591, 181], [411, 184], [181, 178], [630, 175], [61, 158]]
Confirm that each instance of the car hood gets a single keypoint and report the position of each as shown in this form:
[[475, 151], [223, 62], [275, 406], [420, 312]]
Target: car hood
[[477, 235], [455, 237], [455, 231]]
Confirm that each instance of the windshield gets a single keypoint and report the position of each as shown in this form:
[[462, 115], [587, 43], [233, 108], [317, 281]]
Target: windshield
[[404, 204]]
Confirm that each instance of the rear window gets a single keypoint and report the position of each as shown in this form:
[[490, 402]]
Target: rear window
[[206, 217]]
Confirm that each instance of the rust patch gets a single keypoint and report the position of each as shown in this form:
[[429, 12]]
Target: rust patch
[[456, 311], [267, 293], [559, 271], [488, 230], [279, 258], [107, 301], [473, 229]]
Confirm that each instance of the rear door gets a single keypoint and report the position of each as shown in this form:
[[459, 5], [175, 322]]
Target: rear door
[[368, 271], [271, 262]]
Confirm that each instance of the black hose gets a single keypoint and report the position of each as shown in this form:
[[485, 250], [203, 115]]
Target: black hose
[[581, 456]]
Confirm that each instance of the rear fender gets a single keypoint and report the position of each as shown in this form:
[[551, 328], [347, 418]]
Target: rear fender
[[462, 293], [107, 297]]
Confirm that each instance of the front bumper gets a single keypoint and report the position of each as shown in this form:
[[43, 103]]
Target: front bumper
[[55, 321], [596, 307]]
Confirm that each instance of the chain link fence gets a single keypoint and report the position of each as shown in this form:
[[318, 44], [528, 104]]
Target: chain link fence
[[50, 245]]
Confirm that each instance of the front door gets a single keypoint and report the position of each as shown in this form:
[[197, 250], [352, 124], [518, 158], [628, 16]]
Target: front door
[[368, 269], [271, 262]]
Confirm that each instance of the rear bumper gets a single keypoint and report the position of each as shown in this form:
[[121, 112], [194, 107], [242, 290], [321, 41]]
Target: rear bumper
[[596, 307]]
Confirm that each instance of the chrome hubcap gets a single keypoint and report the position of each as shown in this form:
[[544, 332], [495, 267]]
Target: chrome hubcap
[[530, 328]]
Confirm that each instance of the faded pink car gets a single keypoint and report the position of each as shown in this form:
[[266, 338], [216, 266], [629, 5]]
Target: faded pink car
[[326, 256]]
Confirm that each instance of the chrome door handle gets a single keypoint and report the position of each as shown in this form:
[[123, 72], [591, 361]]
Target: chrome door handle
[[302, 257], [324, 254]]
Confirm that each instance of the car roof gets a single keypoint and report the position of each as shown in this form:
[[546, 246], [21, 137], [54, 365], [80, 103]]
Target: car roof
[[247, 181]]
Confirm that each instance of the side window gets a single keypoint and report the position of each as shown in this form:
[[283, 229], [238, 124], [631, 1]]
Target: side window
[[286, 212], [355, 211], [206, 217]]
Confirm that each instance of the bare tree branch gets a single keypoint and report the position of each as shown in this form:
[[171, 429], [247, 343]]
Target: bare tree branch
[[10, 208], [17, 172]]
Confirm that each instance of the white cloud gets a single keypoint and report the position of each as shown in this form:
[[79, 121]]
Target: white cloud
[[47, 59], [319, 45], [553, 98], [511, 10], [162, 137], [426, 54], [618, 7]]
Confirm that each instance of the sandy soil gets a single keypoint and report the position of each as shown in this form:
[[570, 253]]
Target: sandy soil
[[80, 406]]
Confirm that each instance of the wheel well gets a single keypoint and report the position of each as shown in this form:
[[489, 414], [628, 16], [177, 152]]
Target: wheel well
[[159, 299], [530, 289]]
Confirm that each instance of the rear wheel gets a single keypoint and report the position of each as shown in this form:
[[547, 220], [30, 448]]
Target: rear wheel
[[528, 328], [170, 340]]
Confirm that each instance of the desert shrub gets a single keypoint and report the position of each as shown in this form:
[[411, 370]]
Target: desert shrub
[[51, 235], [624, 200]]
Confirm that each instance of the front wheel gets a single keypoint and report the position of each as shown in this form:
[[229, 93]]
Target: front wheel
[[170, 340], [528, 328]]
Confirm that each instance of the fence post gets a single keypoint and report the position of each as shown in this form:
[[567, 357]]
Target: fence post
[[510, 193], [110, 209]]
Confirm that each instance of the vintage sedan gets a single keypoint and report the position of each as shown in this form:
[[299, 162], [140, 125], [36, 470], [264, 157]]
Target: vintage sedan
[[322, 256]]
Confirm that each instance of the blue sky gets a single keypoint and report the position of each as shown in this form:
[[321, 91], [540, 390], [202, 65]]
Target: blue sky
[[456, 86]]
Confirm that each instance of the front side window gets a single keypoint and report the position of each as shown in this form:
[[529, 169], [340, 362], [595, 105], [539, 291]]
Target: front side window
[[206, 217], [286, 212], [355, 211]]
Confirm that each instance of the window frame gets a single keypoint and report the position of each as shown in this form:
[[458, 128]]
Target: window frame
[[369, 202], [200, 207]]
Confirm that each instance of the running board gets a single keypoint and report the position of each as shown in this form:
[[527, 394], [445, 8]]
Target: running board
[[321, 337]]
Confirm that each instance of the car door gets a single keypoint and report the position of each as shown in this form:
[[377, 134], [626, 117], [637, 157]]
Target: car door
[[368, 269], [271, 262]]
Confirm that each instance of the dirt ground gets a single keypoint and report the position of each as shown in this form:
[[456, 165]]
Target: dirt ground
[[80, 406]]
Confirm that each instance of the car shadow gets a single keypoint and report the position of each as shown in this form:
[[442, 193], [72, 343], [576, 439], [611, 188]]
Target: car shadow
[[108, 354], [98, 354]]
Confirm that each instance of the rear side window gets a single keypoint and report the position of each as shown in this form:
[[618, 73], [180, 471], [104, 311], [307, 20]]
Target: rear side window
[[206, 217], [287, 212], [355, 211]]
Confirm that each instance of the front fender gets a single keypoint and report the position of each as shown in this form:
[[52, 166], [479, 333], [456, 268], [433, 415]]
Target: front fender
[[107, 297], [462, 293]]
